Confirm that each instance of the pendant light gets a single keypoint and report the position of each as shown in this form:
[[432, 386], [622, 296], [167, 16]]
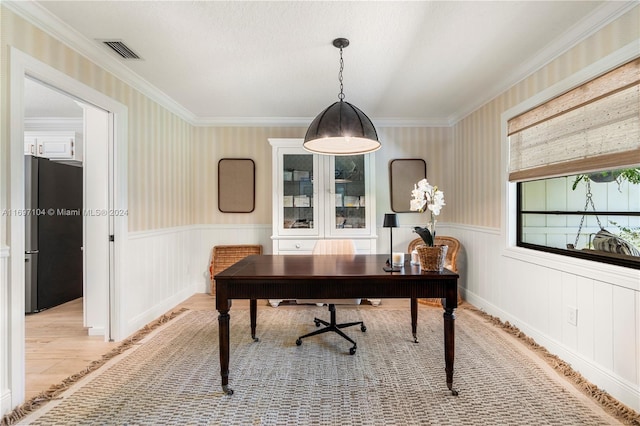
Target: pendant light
[[342, 128]]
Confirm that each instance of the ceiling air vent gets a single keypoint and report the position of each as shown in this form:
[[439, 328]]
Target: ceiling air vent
[[121, 49]]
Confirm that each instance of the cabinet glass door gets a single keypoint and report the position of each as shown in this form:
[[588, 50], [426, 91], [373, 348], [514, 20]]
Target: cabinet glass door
[[348, 181], [299, 202]]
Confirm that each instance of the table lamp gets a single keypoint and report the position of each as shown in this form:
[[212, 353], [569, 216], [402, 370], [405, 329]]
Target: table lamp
[[391, 221]]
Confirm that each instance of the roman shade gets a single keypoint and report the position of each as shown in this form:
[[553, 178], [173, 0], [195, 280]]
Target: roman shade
[[595, 126]]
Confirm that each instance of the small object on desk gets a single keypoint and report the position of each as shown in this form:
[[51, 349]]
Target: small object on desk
[[389, 268], [397, 259]]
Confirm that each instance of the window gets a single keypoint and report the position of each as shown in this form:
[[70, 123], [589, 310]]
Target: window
[[576, 161], [565, 214]]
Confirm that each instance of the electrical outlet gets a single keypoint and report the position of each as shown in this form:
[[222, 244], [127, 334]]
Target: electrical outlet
[[572, 315]]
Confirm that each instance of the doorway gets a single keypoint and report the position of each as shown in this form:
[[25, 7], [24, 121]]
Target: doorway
[[50, 111], [54, 188], [110, 154]]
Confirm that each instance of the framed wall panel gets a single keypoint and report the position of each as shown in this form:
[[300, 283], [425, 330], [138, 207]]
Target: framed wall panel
[[236, 185], [403, 174]]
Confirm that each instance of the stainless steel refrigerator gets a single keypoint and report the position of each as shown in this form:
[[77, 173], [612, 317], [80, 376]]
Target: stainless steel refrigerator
[[53, 234]]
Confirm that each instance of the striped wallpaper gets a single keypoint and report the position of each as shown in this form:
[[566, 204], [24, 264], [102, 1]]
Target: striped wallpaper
[[477, 137], [173, 164], [160, 143], [433, 144], [213, 143]]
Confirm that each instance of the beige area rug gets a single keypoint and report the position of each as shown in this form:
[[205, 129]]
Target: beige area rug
[[173, 376]]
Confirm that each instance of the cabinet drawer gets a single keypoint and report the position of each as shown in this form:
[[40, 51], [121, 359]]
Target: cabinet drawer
[[296, 245], [306, 246]]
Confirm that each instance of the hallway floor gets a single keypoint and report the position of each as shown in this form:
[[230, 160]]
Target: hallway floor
[[57, 345]]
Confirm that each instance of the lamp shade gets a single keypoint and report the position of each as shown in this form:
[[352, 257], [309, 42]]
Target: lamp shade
[[390, 220], [341, 129]]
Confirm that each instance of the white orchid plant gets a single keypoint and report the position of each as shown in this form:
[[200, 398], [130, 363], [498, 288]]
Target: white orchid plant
[[426, 197]]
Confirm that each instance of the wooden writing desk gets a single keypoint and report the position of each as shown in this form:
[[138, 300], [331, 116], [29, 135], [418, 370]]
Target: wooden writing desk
[[330, 277]]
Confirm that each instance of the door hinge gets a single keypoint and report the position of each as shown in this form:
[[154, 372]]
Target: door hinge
[[112, 238]]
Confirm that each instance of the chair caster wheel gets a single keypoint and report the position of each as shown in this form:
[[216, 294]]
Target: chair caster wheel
[[352, 351], [363, 328], [298, 342], [317, 323]]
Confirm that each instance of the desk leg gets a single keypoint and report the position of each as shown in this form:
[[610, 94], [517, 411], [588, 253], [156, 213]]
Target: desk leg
[[414, 319], [223, 333], [253, 310], [449, 346]]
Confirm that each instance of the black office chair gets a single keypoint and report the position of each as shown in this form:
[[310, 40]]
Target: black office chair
[[325, 247]]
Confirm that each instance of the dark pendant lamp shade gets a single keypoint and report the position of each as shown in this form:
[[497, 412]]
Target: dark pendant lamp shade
[[342, 128]]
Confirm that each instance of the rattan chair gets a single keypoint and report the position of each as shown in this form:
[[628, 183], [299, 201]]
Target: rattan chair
[[226, 255], [450, 262]]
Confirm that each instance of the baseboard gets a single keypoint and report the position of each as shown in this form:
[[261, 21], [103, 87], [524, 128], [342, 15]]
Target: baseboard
[[621, 389], [158, 310], [5, 402], [96, 331]]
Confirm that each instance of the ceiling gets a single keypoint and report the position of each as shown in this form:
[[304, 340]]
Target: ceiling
[[237, 62]]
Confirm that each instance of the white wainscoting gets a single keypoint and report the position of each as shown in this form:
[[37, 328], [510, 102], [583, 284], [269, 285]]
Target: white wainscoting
[[165, 267], [534, 291], [157, 275], [5, 308]]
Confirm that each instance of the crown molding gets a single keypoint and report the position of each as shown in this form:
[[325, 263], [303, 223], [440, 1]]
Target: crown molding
[[52, 25], [401, 122], [43, 19], [304, 122], [252, 121]]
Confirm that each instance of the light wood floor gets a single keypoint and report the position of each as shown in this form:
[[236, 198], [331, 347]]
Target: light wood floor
[[57, 345]]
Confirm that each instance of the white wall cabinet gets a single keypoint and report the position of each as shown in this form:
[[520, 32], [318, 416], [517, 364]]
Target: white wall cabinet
[[55, 145], [321, 197]]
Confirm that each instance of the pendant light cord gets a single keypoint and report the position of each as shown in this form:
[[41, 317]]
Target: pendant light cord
[[341, 95]]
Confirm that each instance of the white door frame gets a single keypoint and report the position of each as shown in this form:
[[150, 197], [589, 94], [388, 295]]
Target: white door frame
[[21, 65], [96, 226]]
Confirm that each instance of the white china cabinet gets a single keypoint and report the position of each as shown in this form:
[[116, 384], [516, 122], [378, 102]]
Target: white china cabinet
[[321, 197]]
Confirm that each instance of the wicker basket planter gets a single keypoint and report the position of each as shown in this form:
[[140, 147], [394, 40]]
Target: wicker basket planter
[[432, 258]]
